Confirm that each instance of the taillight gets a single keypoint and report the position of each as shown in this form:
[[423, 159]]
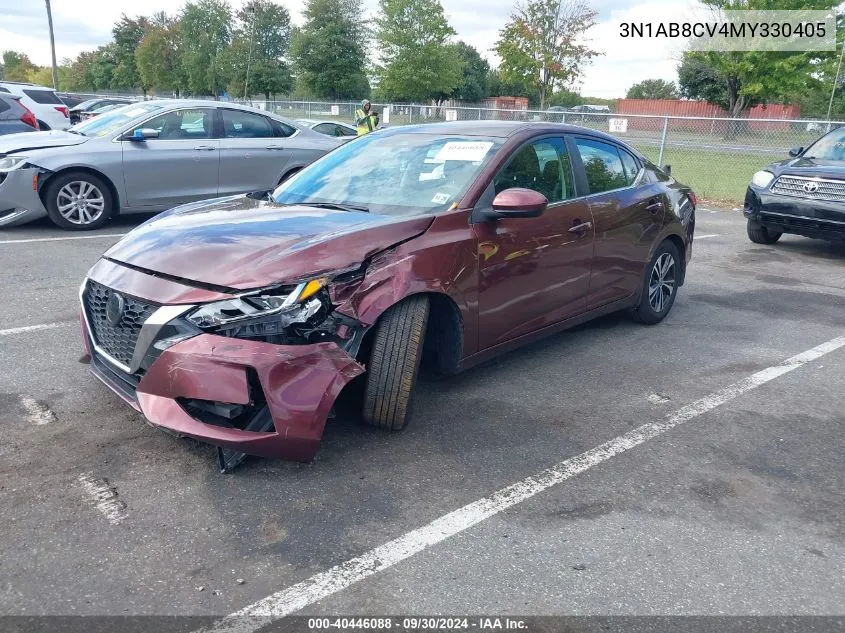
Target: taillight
[[28, 117], [693, 199], [63, 110]]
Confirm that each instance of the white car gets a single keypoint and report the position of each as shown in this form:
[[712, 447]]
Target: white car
[[51, 112], [331, 128]]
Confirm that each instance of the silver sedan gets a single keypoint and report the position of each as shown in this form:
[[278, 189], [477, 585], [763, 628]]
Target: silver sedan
[[148, 157]]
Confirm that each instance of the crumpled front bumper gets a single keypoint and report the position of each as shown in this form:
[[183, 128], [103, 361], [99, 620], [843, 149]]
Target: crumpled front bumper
[[299, 382], [19, 199]]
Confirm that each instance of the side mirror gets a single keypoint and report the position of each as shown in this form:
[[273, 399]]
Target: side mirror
[[140, 135], [519, 203], [795, 152]]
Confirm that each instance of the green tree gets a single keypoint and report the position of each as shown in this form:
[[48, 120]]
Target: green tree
[[204, 34], [565, 98], [255, 61], [497, 86], [328, 51], [738, 80], [157, 59], [17, 67], [540, 45], [473, 87], [127, 33], [653, 89], [417, 61]]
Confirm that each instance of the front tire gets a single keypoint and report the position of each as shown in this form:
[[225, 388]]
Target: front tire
[[759, 234], [660, 285], [394, 364], [78, 201]]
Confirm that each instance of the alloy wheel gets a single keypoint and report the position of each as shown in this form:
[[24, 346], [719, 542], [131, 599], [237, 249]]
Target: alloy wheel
[[80, 202], [661, 284]]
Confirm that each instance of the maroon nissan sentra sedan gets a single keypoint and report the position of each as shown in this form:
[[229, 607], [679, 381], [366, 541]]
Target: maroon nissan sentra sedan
[[239, 320]]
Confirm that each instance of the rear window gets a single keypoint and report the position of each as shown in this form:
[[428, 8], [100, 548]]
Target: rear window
[[2, 89], [4, 106], [43, 96]]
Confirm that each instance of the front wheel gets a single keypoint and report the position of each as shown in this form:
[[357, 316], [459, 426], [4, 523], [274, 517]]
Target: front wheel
[[660, 285], [394, 363], [759, 234], [78, 201]]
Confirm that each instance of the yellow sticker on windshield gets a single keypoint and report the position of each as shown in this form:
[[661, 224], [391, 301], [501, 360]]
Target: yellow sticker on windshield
[[471, 151]]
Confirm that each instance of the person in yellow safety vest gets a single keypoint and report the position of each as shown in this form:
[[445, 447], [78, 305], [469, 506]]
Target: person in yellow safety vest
[[365, 119]]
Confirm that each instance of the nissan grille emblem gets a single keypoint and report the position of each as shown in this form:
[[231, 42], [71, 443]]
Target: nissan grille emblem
[[811, 187], [114, 309]]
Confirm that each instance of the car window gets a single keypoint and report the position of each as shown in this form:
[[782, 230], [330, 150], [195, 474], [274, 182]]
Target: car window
[[602, 165], [43, 96], [325, 128], [543, 166], [345, 131], [239, 124], [196, 123], [280, 130], [632, 168], [4, 106], [2, 89]]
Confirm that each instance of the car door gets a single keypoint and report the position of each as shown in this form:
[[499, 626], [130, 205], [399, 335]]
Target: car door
[[254, 151], [534, 272], [180, 165], [627, 212]]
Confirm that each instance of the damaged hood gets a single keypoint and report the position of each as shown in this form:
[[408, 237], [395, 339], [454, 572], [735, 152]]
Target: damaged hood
[[29, 141], [243, 243]]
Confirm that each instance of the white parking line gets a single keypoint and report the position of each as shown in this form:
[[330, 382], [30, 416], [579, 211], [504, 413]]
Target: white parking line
[[35, 328], [104, 497], [37, 413], [324, 584], [61, 239], [704, 237]]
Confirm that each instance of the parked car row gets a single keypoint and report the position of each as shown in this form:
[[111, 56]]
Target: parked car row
[[50, 111], [15, 117]]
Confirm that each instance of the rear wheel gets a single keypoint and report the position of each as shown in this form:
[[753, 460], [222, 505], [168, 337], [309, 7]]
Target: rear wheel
[[78, 201], [759, 234], [394, 363], [660, 285]]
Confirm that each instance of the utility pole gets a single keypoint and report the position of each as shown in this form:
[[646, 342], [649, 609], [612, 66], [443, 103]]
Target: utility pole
[[52, 46], [251, 9]]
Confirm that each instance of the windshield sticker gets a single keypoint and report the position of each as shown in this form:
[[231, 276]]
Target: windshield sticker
[[441, 198], [473, 152]]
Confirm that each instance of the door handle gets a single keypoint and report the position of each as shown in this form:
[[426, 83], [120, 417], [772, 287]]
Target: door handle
[[581, 228], [655, 207], [275, 147], [205, 148]]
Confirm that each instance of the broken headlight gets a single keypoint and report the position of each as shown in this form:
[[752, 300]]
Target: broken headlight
[[265, 303]]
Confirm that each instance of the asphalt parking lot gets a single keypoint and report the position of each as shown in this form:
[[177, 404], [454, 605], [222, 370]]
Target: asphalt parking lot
[[739, 510]]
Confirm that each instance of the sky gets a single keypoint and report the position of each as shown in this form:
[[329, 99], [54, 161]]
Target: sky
[[85, 24]]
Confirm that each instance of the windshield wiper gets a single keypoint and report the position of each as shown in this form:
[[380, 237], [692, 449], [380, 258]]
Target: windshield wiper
[[331, 205]]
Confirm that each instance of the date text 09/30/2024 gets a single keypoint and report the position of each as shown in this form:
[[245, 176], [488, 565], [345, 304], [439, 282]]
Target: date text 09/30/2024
[[418, 624]]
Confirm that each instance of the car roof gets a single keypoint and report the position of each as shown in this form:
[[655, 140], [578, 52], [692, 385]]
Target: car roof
[[500, 129], [29, 86]]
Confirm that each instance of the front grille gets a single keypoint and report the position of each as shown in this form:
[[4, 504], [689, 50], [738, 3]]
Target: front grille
[[118, 341], [794, 186]]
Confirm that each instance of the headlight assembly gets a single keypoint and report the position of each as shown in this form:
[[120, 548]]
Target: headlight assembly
[[8, 163], [762, 179], [266, 303]]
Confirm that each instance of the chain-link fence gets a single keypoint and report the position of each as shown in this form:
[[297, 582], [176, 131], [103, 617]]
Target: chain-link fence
[[715, 156]]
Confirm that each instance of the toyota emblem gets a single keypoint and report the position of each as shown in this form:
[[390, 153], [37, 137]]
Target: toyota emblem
[[811, 187], [114, 309]]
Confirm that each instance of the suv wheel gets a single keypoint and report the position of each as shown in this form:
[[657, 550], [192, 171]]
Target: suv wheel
[[78, 201], [660, 285], [394, 363], [759, 234]]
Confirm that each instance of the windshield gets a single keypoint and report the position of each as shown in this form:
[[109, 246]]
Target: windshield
[[114, 120], [393, 174], [828, 147], [85, 104]]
